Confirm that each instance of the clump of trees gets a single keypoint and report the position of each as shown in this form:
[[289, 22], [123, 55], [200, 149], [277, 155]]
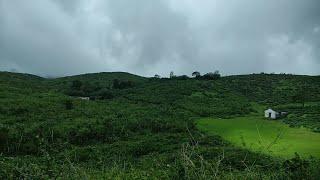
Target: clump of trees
[[79, 88], [208, 76], [196, 74], [212, 76], [122, 84], [96, 90]]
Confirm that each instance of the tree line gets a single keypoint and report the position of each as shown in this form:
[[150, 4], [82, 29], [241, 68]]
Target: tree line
[[196, 75]]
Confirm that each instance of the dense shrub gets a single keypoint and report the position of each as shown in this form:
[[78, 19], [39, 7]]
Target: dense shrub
[[4, 139], [297, 168], [68, 104]]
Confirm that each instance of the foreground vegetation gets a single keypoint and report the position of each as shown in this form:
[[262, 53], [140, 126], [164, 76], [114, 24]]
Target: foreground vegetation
[[141, 128]]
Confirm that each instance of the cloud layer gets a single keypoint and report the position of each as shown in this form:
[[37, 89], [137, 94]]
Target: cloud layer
[[58, 37]]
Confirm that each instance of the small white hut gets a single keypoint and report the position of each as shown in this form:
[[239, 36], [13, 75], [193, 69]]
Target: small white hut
[[272, 114], [84, 98]]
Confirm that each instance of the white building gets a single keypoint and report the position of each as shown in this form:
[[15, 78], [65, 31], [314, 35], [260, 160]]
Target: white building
[[272, 114], [84, 98]]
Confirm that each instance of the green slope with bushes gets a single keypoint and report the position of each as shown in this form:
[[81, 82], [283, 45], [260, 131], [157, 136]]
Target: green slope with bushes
[[135, 127]]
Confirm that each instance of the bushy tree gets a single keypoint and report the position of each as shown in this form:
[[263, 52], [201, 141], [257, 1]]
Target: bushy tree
[[157, 76], [172, 74], [196, 74]]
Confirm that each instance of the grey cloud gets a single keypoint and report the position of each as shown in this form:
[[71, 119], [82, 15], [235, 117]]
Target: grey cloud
[[57, 37], [154, 29], [40, 38]]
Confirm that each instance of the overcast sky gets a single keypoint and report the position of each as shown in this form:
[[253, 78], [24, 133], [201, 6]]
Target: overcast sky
[[145, 37]]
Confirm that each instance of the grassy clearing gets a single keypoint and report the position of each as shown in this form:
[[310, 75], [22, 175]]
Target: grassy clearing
[[261, 135]]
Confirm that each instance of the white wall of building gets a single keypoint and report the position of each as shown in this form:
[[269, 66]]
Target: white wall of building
[[270, 113]]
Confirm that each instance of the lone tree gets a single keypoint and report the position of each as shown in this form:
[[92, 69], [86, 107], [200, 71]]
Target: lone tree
[[157, 76], [196, 74], [172, 74]]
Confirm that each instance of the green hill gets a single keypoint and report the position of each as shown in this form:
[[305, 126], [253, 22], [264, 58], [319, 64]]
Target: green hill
[[135, 127], [274, 88], [95, 80], [104, 77], [21, 81]]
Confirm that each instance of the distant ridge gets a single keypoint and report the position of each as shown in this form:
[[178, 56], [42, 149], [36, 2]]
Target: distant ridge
[[122, 73]]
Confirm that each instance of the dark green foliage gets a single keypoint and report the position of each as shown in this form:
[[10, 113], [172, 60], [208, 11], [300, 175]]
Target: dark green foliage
[[306, 116], [196, 74], [136, 127], [122, 84], [104, 94], [211, 76], [183, 77], [208, 76], [297, 168], [4, 137], [302, 95], [69, 104], [76, 85], [273, 89]]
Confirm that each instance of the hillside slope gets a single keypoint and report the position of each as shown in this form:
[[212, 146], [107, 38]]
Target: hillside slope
[[274, 88], [133, 126]]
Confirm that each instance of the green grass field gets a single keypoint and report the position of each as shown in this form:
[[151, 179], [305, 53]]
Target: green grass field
[[262, 135]]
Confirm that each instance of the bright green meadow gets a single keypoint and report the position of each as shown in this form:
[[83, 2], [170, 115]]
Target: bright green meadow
[[268, 136]]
